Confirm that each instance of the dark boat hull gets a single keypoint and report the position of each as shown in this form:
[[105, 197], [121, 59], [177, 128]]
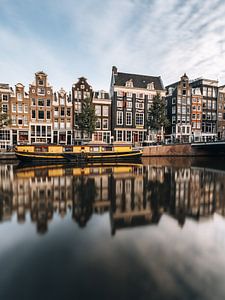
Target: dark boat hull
[[79, 157]]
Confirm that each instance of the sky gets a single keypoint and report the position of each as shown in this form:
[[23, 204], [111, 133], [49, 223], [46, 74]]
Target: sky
[[69, 39]]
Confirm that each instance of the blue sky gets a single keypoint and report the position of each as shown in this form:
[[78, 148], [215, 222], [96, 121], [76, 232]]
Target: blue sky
[[68, 39]]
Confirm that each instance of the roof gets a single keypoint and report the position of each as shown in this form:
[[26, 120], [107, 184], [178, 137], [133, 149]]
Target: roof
[[139, 81]]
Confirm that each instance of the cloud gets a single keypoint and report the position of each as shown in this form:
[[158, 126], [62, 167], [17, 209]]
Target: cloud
[[88, 37]]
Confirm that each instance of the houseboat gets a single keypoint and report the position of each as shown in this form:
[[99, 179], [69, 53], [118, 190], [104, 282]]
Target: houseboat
[[89, 153]]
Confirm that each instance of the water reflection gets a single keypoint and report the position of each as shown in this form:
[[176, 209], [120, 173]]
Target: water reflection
[[133, 195]]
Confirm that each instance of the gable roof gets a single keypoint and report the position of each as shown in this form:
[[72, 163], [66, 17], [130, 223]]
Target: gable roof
[[139, 81]]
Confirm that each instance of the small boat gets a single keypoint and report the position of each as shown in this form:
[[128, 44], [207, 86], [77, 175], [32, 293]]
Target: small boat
[[89, 153]]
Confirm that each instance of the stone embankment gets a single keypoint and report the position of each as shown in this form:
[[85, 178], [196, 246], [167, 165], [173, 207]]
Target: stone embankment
[[168, 150], [7, 156]]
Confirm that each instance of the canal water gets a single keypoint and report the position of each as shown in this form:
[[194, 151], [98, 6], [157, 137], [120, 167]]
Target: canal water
[[148, 231]]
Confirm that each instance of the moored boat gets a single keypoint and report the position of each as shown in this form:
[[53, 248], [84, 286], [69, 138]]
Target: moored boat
[[78, 154]]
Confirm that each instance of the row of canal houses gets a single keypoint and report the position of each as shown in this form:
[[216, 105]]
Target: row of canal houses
[[195, 108]]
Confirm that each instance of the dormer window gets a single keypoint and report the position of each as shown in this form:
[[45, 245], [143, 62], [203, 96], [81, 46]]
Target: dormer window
[[150, 86], [129, 83], [40, 82]]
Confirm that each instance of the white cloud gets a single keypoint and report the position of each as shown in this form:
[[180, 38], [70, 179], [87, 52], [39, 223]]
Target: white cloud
[[150, 37]]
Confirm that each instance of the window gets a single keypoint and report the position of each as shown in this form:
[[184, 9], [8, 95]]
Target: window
[[98, 124], [48, 102], [14, 107], [140, 105], [105, 123], [40, 82], [25, 108], [119, 118], [128, 136], [150, 86], [139, 119], [105, 111], [55, 125], [174, 100], [48, 115], [13, 120], [173, 119], [68, 112], [129, 95], [119, 135], [41, 102], [173, 110], [204, 91], [62, 101], [20, 121], [5, 97], [129, 104], [56, 112], [32, 130], [33, 114], [209, 92], [41, 91], [38, 130], [19, 97], [49, 131], [33, 101], [120, 93], [25, 121], [119, 103], [98, 110], [141, 96], [20, 108], [193, 116], [128, 118], [62, 112], [62, 125], [213, 104], [41, 115], [129, 83], [5, 108]]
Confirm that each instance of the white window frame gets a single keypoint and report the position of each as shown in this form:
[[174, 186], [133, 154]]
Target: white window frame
[[119, 118]]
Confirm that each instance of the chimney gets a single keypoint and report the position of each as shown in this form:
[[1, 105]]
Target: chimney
[[114, 70]]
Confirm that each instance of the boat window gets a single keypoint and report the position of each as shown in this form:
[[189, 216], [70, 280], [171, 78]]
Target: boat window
[[40, 149], [95, 149], [108, 148], [67, 149]]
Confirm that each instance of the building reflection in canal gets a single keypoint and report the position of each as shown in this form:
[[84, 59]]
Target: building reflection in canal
[[133, 195]]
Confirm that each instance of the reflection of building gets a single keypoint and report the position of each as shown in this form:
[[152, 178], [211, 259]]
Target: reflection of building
[[133, 195]]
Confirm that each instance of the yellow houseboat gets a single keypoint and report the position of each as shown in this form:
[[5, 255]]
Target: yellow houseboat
[[78, 154]]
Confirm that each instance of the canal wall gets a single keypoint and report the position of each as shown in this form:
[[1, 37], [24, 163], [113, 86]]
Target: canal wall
[[168, 150], [7, 156]]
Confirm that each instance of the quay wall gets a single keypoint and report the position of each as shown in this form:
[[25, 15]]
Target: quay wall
[[168, 150], [7, 156]]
